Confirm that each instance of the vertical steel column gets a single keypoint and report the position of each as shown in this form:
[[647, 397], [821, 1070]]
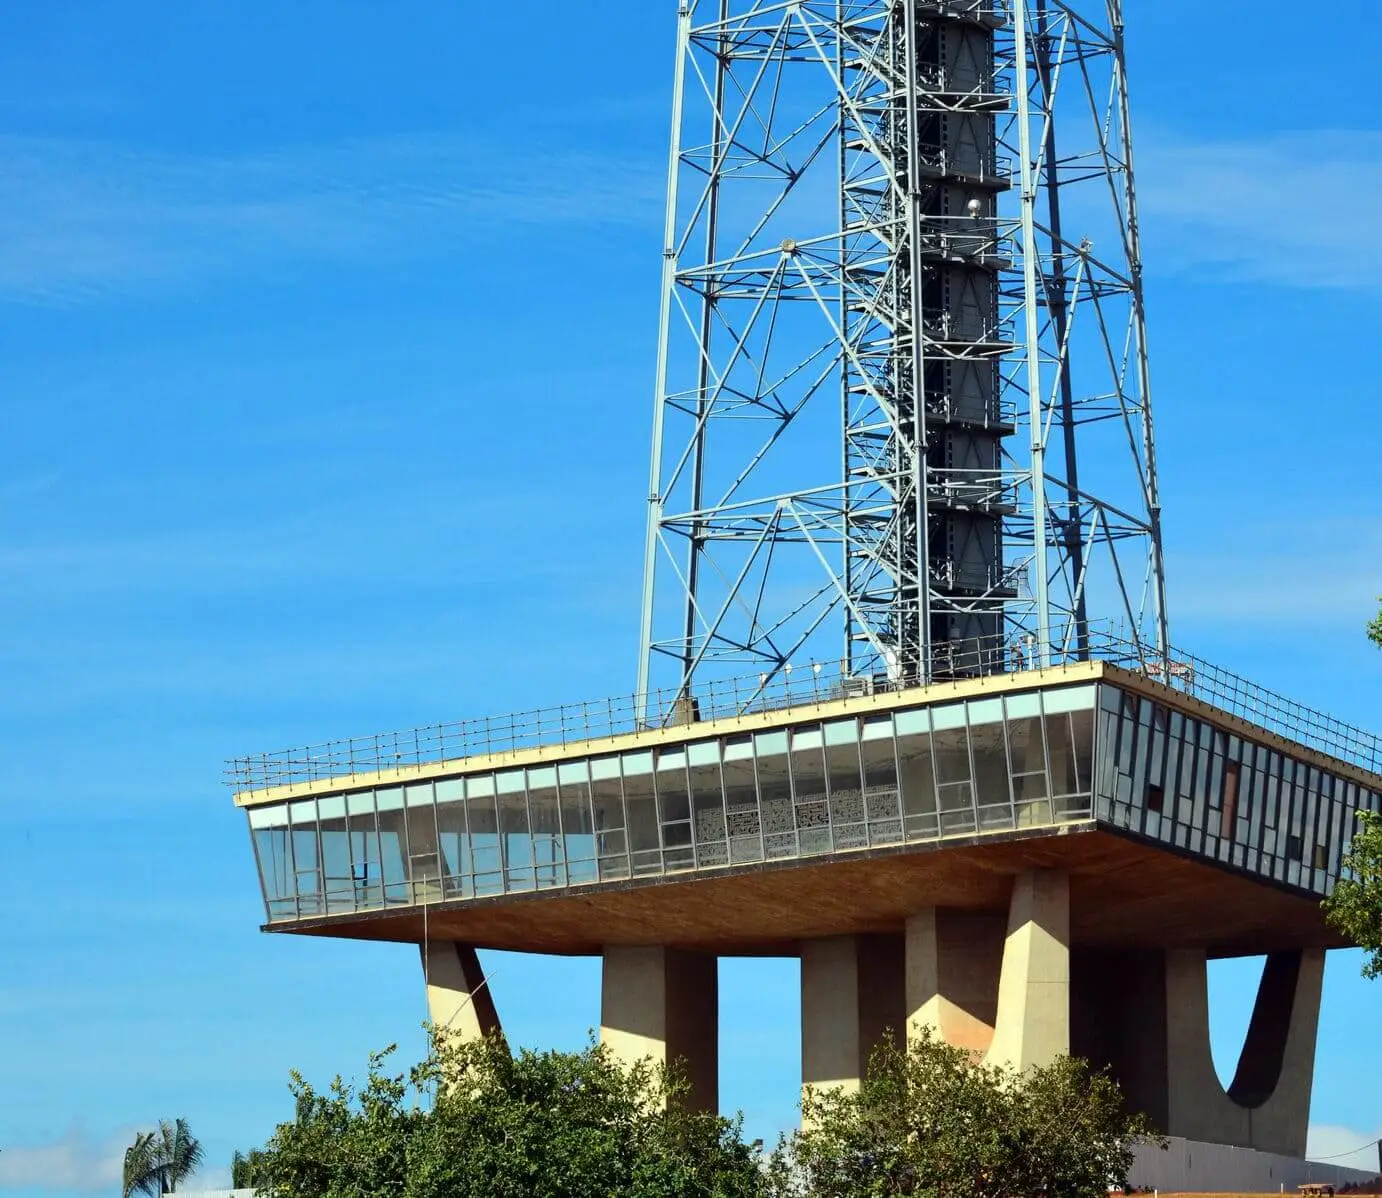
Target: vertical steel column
[[1134, 235], [1033, 336], [923, 667], [712, 225], [669, 276]]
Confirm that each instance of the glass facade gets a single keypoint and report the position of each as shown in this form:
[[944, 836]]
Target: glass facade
[[804, 789], [1197, 787]]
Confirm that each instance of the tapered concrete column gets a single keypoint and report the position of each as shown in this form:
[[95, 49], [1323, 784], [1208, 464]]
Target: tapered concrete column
[[851, 996], [953, 962], [459, 1003], [662, 1004], [1268, 1105], [1033, 1018]]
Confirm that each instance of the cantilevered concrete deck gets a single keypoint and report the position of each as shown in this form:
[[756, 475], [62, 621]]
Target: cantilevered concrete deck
[[1024, 864]]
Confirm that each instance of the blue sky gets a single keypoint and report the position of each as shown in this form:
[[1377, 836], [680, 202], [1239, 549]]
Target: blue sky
[[326, 347]]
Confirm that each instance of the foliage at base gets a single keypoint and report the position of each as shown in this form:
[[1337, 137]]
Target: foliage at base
[[475, 1121], [932, 1121]]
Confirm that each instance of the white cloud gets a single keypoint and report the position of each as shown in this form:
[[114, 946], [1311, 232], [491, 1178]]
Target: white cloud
[[80, 220], [76, 1161], [1284, 209], [1345, 1147]]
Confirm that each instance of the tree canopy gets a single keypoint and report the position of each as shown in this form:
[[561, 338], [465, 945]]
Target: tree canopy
[[931, 1121], [475, 1121], [1355, 907], [159, 1161]]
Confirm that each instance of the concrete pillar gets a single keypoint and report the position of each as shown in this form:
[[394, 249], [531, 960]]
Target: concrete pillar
[[1268, 1105], [1033, 1018], [459, 1002], [953, 960], [663, 1004], [851, 997], [1145, 1016]]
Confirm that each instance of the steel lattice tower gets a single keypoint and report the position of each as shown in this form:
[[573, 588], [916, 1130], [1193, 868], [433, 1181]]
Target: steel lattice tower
[[902, 375]]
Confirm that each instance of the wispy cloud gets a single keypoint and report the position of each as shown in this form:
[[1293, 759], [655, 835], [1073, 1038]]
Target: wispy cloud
[[78, 1162], [75, 1162], [1345, 1147], [80, 220], [1282, 209]]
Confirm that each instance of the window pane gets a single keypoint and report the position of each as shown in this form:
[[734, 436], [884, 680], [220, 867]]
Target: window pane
[[640, 804], [607, 802], [951, 748], [485, 841], [577, 828], [517, 837], [708, 807], [545, 827], [393, 854], [335, 857], [741, 808], [366, 872], [991, 776], [920, 821], [275, 872]]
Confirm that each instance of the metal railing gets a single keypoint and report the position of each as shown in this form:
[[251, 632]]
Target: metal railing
[[794, 685]]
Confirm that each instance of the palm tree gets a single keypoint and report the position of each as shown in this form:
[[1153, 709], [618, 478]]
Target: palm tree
[[159, 1160]]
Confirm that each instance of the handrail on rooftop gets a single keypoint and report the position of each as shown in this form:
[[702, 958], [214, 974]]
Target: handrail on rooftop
[[787, 686]]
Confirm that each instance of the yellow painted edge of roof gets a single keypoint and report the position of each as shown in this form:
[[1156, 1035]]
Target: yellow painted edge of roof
[[937, 692]]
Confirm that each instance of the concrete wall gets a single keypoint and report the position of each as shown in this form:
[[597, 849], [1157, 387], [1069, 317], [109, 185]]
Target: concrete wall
[[1146, 1016], [662, 1005], [1190, 1166], [953, 962], [458, 999], [1033, 1026], [1001, 987], [851, 996]]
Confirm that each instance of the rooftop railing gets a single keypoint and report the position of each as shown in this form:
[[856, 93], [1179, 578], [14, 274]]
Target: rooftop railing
[[796, 685]]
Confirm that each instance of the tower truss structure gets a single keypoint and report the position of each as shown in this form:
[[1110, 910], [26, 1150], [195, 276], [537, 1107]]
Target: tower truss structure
[[903, 413]]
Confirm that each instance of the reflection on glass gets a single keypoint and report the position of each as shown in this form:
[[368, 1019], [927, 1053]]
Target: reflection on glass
[[674, 809], [545, 823], [577, 826], [849, 783], [992, 797], [640, 805], [485, 839], [366, 873], [607, 809]]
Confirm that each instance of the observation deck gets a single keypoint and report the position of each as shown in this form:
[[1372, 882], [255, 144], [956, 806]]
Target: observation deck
[[1196, 810]]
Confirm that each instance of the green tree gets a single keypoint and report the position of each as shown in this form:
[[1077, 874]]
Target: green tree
[[1355, 907], [246, 1169], [159, 1161], [475, 1121], [930, 1120]]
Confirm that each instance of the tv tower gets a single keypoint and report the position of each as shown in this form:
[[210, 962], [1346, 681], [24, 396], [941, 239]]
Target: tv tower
[[903, 415], [903, 432]]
